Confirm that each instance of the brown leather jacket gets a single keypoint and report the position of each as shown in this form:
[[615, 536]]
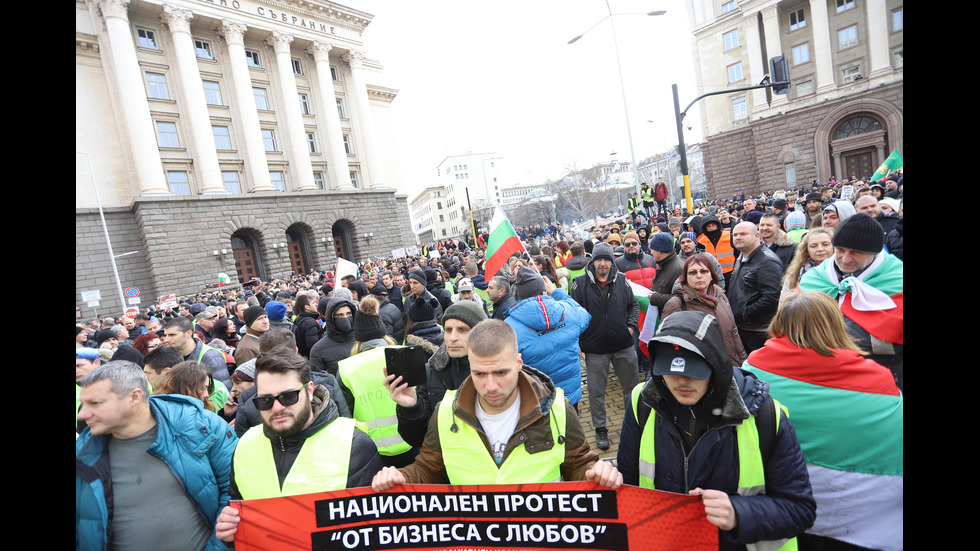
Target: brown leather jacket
[[533, 430]]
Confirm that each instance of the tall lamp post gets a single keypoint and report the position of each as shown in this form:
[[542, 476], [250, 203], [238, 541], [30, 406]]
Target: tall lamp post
[[622, 87], [105, 229]]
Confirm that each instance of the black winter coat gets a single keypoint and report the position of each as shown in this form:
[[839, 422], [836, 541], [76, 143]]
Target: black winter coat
[[754, 289], [307, 331], [614, 309]]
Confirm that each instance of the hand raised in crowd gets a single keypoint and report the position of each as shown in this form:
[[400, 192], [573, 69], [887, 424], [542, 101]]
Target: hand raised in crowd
[[400, 392]]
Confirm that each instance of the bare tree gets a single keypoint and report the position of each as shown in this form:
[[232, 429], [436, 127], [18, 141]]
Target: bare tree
[[579, 189]]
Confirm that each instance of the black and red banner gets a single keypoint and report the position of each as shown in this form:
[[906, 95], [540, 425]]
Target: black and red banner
[[526, 517]]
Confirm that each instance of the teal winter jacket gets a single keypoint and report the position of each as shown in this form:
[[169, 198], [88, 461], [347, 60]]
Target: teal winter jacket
[[195, 443]]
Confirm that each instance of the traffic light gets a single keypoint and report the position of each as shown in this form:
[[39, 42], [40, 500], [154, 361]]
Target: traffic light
[[779, 75]]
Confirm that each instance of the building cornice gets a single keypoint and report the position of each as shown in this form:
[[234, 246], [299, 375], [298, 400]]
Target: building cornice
[[386, 95], [86, 43], [339, 14]]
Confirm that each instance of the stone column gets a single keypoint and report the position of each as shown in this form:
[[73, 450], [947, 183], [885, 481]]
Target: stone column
[[256, 164], [339, 169], [371, 156], [877, 13], [295, 132], [202, 138], [823, 55], [133, 105]]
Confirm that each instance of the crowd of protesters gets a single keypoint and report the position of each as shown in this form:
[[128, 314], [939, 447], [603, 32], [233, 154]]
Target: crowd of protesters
[[735, 261]]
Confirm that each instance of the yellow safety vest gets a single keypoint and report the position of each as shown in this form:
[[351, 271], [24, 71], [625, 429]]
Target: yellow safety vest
[[320, 466], [751, 471], [467, 460], [364, 375]]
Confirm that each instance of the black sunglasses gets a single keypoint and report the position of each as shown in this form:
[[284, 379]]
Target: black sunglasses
[[264, 403]]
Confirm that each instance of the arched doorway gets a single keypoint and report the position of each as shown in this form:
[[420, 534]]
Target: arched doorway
[[244, 246], [341, 232], [858, 144], [297, 245]]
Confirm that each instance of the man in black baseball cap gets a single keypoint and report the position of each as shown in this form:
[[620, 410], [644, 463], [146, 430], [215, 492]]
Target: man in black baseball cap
[[704, 428]]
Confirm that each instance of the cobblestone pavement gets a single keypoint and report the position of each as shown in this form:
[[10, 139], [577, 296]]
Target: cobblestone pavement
[[615, 409]]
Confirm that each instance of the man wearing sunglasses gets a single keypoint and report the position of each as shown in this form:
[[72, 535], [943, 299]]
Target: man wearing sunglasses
[[303, 445]]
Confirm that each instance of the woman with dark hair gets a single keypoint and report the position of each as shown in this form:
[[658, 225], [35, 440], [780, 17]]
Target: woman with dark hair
[[146, 342], [224, 329], [305, 326], [849, 417], [697, 289]]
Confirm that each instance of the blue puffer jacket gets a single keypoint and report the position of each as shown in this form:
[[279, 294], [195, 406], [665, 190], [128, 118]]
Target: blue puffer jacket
[[196, 444], [785, 510], [548, 328]]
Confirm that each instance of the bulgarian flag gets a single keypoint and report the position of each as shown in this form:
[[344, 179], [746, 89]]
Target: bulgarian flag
[[874, 300], [648, 319], [223, 280], [892, 163], [503, 243], [849, 418]]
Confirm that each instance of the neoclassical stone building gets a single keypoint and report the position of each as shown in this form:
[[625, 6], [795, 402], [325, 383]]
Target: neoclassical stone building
[[844, 113], [246, 137]]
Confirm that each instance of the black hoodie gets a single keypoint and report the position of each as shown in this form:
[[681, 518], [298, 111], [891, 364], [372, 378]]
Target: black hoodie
[[335, 345]]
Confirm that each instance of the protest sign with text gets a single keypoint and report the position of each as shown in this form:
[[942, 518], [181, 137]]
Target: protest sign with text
[[571, 515]]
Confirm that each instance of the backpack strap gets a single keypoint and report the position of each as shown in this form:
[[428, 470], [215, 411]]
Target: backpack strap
[[767, 423]]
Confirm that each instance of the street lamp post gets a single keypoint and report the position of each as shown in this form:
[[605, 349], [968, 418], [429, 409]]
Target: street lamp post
[[105, 229], [622, 87]]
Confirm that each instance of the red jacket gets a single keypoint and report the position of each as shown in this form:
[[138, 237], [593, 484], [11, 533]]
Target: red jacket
[[640, 271], [660, 192]]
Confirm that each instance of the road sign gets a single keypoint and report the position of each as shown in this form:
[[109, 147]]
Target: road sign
[[91, 296], [132, 292], [133, 300], [132, 312]]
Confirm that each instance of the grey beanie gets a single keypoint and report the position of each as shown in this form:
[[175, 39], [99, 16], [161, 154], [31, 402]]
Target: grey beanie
[[527, 283], [602, 250], [466, 311]]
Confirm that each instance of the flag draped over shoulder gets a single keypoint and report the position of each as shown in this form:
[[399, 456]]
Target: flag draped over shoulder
[[892, 163], [503, 243], [874, 301], [849, 417]]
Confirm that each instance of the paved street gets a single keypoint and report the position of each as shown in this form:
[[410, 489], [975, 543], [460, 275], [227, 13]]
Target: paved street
[[615, 409]]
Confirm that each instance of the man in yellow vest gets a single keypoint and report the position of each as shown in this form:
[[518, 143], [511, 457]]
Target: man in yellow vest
[[702, 427], [473, 435], [302, 446]]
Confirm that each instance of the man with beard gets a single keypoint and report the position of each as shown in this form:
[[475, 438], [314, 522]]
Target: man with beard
[[303, 445], [606, 296], [718, 242], [641, 269], [813, 210]]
